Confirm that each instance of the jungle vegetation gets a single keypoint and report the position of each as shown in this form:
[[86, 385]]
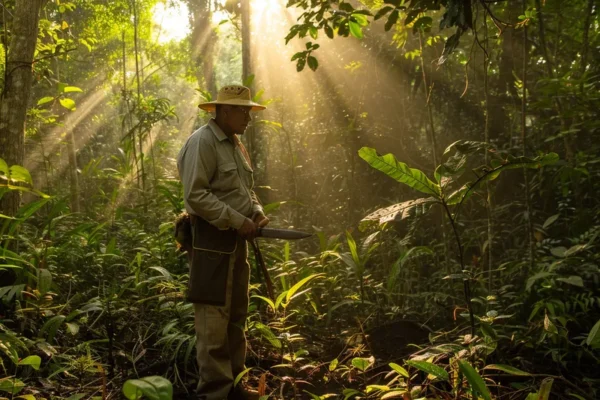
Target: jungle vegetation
[[445, 154]]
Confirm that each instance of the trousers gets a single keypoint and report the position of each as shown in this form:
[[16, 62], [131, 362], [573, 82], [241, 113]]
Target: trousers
[[220, 331]]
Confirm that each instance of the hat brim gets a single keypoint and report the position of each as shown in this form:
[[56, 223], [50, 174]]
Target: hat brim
[[211, 106]]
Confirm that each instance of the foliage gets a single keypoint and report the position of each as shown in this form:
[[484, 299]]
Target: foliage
[[476, 278]]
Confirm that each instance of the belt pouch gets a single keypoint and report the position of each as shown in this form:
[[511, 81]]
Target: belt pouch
[[212, 249]]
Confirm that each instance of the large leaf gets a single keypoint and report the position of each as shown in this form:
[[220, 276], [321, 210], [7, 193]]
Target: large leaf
[[399, 171], [475, 380], [151, 387], [430, 368], [399, 212]]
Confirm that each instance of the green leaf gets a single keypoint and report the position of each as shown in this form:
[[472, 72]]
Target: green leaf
[[355, 29], [377, 388], [353, 248], [593, 338], [423, 23], [4, 170], [45, 100], [545, 389], [151, 387], [290, 293], [239, 377], [362, 363], [382, 12], [11, 385], [536, 277], [508, 369], [349, 393], [69, 89], [313, 63], [474, 379], [249, 80], [549, 325], [334, 363], [360, 19], [44, 280], [300, 64], [572, 280], [73, 328], [67, 103], [558, 251], [451, 44], [268, 334], [430, 368], [400, 171], [392, 19], [26, 397], [266, 300], [399, 369], [51, 326], [279, 299], [33, 361], [314, 32], [550, 220], [20, 174]]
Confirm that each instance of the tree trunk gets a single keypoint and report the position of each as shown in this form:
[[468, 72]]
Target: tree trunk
[[17, 87], [203, 43], [246, 54], [247, 72]]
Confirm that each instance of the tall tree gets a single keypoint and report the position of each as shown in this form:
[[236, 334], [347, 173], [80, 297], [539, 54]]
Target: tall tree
[[17, 87], [203, 43]]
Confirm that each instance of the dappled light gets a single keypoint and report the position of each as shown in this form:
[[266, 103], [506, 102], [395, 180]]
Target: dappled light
[[300, 199]]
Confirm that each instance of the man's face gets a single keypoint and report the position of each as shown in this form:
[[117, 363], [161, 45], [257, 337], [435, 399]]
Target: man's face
[[238, 118]]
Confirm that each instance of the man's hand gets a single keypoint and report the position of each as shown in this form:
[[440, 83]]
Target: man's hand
[[248, 229], [260, 220]]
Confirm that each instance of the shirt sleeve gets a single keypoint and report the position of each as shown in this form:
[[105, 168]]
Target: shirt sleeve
[[256, 206], [197, 165]]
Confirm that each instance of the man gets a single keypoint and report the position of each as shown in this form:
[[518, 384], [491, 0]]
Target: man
[[216, 173]]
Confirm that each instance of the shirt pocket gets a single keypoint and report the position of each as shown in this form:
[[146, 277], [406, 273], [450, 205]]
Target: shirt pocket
[[228, 177], [247, 172]]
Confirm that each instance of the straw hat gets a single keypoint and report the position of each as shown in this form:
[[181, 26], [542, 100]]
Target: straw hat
[[234, 95]]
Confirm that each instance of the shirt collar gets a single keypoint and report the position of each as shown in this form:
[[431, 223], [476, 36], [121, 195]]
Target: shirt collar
[[218, 132]]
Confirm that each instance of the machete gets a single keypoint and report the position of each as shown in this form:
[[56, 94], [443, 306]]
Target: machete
[[276, 233], [273, 233]]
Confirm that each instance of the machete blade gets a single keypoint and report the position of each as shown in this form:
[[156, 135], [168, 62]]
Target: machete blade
[[288, 234]]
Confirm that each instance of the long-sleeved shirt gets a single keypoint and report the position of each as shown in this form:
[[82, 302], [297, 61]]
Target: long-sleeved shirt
[[217, 178]]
